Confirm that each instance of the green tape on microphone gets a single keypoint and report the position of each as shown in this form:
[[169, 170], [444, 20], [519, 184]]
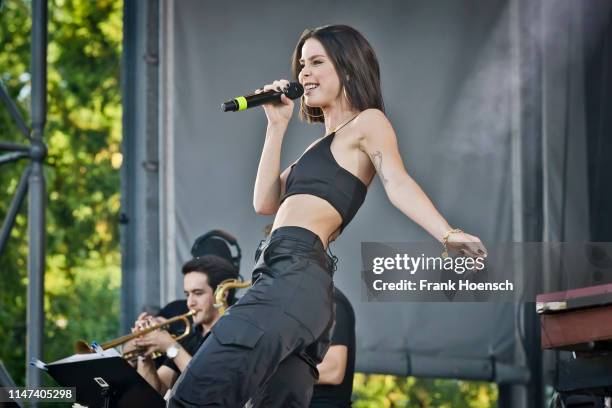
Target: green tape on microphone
[[242, 103]]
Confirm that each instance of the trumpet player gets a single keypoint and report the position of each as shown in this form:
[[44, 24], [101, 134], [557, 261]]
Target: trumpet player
[[201, 276]]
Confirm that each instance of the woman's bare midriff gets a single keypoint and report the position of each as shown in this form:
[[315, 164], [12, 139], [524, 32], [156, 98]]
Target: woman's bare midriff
[[310, 212]]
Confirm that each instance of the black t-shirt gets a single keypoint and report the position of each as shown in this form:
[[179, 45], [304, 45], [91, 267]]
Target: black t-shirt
[[191, 343], [327, 395]]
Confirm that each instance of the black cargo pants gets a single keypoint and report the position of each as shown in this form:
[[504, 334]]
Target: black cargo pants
[[280, 327]]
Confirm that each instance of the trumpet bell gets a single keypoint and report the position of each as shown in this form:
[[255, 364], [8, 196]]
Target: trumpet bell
[[82, 347]]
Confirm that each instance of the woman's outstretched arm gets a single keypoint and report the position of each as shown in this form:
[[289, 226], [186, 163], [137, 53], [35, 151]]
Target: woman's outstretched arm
[[379, 142]]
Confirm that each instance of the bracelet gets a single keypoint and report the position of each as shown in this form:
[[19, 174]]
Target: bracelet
[[445, 240]]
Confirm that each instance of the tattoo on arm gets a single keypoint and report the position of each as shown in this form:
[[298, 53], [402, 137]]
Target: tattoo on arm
[[377, 161]]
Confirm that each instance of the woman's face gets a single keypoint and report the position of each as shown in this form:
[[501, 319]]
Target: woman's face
[[318, 75]]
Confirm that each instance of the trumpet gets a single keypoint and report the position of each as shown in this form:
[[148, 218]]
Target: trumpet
[[82, 347]]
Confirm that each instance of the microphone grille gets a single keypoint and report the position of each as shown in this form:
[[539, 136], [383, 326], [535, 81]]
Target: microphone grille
[[294, 91]]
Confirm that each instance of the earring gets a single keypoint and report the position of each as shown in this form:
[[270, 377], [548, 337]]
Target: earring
[[305, 112], [345, 95]]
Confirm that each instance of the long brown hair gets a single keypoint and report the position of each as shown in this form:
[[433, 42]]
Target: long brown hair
[[355, 63]]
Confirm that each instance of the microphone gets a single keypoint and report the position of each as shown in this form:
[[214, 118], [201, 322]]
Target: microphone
[[293, 91]]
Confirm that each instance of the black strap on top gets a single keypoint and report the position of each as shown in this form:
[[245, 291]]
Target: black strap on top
[[343, 125]]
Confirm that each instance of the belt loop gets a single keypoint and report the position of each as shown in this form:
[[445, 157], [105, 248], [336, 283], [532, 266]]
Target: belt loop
[[260, 248]]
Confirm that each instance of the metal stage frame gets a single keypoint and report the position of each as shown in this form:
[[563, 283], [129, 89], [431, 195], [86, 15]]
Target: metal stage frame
[[32, 184]]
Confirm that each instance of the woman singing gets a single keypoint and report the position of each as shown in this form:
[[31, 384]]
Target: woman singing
[[280, 327]]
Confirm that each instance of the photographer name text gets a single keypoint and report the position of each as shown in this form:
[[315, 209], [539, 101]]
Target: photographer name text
[[429, 286]]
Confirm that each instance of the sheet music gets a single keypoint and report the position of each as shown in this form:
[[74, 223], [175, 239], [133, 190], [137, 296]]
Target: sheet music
[[86, 357]]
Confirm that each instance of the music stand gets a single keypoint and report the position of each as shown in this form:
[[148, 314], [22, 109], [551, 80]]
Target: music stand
[[104, 381]]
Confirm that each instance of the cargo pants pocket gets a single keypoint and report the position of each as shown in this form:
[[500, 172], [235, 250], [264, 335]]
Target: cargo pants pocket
[[232, 330]]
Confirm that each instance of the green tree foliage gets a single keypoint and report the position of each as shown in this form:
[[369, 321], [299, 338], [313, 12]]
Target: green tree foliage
[[386, 391], [83, 133]]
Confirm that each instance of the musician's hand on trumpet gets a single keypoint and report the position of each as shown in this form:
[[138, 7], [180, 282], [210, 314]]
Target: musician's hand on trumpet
[[144, 346], [155, 341], [132, 349]]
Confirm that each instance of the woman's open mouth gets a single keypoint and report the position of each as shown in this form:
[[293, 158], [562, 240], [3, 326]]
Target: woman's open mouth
[[309, 87]]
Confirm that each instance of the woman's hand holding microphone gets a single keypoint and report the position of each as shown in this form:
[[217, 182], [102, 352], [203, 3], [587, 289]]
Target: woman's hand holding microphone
[[278, 114]]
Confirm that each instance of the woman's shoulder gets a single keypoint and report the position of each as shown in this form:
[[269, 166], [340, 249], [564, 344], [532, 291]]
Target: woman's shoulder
[[373, 114], [371, 122]]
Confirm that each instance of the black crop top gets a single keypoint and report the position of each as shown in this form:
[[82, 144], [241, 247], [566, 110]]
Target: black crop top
[[318, 173]]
